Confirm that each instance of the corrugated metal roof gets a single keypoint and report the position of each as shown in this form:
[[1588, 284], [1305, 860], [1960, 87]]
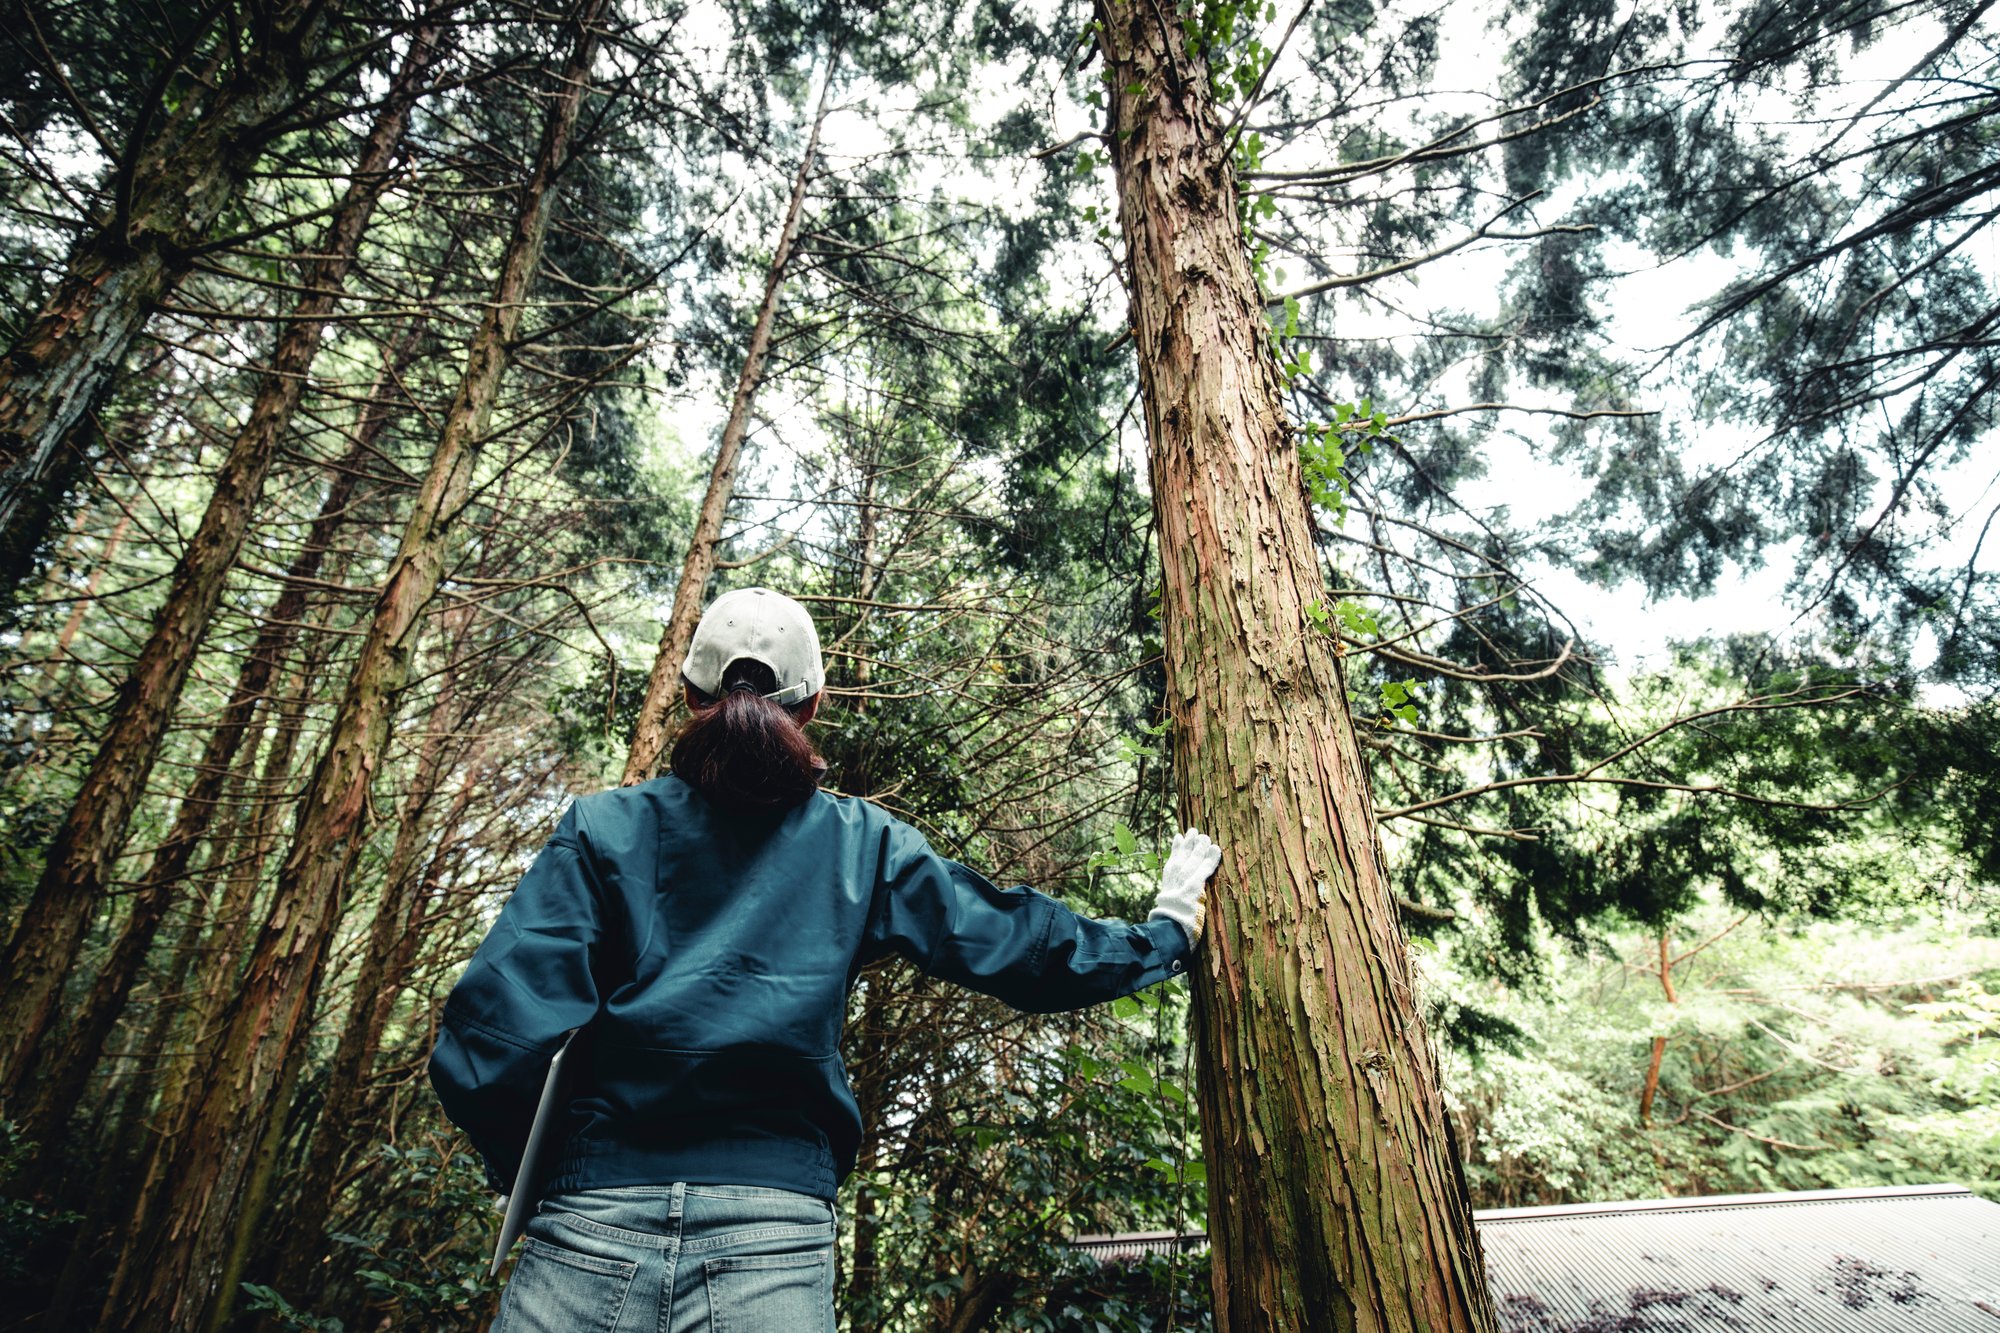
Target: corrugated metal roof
[[1925, 1259], [1918, 1259]]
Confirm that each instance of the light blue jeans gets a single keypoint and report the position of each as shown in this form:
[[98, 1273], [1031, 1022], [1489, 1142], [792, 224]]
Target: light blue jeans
[[674, 1259]]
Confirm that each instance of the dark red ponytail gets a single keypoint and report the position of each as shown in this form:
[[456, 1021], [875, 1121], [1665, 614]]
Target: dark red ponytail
[[744, 752]]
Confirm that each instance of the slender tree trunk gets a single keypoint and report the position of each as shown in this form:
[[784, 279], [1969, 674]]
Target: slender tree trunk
[[1337, 1201], [376, 986], [182, 1275], [120, 1161], [1651, 1087], [59, 1077], [981, 1300], [167, 195], [67, 635], [865, 1275], [858, 780], [81, 855], [663, 688]]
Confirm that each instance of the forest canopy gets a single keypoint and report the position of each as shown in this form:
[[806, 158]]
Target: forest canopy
[[390, 383]]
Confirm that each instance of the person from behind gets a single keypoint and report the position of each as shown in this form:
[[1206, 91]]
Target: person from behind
[[701, 932]]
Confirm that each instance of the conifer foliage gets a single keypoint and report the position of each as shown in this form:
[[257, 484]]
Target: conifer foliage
[[1126, 388]]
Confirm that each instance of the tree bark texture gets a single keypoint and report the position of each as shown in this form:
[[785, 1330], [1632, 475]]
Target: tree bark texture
[[248, 846], [180, 1274], [663, 688], [1337, 1201], [103, 1210], [31, 519], [167, 194], [377, 983], [81, 856], [200, 1019], [59, 1075]]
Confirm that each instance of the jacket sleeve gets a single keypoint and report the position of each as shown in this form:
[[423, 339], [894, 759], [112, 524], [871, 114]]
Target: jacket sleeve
[[1017, 945], [530, 982]]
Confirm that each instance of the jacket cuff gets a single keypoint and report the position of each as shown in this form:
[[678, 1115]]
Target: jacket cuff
[[1171, 937]]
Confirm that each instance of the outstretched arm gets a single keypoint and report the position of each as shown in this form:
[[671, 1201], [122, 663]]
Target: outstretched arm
[[1016, 944]]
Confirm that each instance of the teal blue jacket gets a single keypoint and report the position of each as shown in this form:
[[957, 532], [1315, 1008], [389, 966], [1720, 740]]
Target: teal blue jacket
[[708, 959]]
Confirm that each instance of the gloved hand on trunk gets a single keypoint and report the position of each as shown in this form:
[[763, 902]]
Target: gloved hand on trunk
[[1192, 859]]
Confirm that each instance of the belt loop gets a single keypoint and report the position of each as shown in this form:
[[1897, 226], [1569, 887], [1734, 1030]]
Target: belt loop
[[677, 1198]]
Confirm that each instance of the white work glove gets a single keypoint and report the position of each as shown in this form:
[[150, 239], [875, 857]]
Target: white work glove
[[1192, 860]]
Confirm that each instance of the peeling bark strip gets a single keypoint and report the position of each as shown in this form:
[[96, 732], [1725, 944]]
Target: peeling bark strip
[[1337, 1200], [173, 188], [45, 944], [181, 1273], [663, 686]]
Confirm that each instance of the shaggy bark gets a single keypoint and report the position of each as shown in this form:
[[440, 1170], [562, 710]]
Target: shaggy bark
[[169, 192], [1336, 1196], [377, 982]]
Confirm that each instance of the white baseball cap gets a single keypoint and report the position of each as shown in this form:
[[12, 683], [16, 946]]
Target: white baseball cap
[[763, 626]]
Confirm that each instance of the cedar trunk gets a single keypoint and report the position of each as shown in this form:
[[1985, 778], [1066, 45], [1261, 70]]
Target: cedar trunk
[[378, 981], [246, 847], [60, 1075], [52, 927], [1336, 1197], [663, 688], [169, 194], [181, 1273]]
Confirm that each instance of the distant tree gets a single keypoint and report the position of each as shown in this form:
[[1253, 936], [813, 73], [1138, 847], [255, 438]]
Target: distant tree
[[182, 1268]]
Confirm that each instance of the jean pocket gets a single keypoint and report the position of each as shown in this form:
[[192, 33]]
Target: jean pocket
[[559, 1290], [781, 1293]]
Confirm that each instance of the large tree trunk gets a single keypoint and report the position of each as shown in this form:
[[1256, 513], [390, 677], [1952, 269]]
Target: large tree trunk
[[182, 1274], [167, 195], [51, 930], [663, 688], [1336, 1197]]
